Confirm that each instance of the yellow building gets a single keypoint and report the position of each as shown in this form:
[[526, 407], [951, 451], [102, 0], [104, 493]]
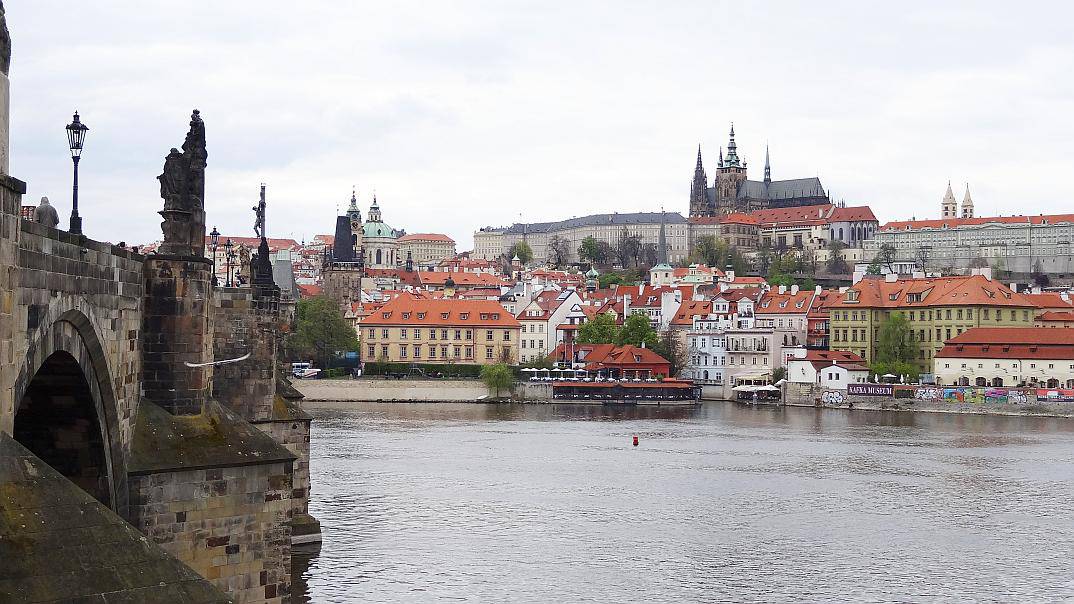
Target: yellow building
[[410, 329], [937, 310]]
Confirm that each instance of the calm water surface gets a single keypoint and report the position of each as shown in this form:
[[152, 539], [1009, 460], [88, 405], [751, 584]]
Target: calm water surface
[[720, 503]]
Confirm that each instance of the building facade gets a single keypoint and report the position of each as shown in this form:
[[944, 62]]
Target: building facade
[[1037, 357], [937, 309], [426, 249], [408, 329]]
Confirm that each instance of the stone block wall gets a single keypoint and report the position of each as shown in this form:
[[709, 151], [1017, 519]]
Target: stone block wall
[[177, 329], [11, 191], [231, 524], [292, 430], [245, 321]]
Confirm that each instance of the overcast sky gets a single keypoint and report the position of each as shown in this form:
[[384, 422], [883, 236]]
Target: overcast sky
[[468, 114]]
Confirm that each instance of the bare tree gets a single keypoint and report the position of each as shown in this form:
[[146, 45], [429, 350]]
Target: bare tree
[[559, 251]]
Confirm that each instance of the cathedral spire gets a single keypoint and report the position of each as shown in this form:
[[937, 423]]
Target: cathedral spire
[[732, 150], [720, 165], [354, 199], [698, 166], [767, 167]]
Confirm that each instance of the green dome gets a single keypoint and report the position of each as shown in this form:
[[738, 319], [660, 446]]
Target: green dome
[[377, 229], [592, 274]]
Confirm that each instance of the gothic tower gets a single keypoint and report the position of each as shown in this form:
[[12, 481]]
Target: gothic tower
[[699, 190], [967, 204], [730, 173], [949, 207]]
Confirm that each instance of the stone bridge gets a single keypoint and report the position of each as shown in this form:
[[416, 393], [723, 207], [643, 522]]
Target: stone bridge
[[131, 468]]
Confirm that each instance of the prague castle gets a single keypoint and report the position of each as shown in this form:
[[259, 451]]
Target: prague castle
[[732, 191]]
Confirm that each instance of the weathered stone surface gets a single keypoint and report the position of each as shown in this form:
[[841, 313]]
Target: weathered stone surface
[[182, 186], [58, 544]]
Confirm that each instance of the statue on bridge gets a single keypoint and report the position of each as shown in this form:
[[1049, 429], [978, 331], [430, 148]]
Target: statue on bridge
[[46, 214], [259, 213], [182, 186]]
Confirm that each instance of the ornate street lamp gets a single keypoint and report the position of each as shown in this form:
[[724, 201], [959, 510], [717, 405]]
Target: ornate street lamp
[[228, 256], [76, 135], [214, 242]]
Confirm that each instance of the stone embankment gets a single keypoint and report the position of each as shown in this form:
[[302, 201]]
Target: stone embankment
[[386, 390], [971, 400]]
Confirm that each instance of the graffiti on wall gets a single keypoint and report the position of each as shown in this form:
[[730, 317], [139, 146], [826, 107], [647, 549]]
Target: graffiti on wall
[[832, 397], [972, 395]]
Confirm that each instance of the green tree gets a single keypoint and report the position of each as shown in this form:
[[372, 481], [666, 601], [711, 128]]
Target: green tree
[[523, 251], [601, 329], [875, 267], [775, 279], [607, 280], [894, 344], [320, 331], [594, 251], [672, 348], [808, 284], [497, 377], [778, 374], [637, 330]]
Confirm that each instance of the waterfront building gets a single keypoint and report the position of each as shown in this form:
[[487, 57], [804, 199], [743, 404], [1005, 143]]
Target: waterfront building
[[832, 369], [786, 310], [1019, 245], [1037, 357], [731, 191], [937, 309], [539, 319], [409, 329], [818, 321], [609, 360], [426, 250]]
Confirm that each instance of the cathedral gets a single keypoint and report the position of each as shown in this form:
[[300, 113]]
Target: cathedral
[[731, 191]]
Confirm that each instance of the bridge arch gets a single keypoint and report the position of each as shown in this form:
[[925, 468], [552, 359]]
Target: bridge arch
[[67, 413]]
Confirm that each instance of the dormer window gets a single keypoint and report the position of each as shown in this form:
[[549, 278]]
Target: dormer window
[[495, 316], [484, 316], [386, 315], [421, 316], [406, 315], [464, 315], [445, 315]]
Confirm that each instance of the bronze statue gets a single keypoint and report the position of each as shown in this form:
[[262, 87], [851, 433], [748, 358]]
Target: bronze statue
[[259, 212]]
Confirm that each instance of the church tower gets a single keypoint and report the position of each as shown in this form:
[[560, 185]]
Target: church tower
[[355, 217], [699, 190], [949, 207], [729, 175], [967, 204]]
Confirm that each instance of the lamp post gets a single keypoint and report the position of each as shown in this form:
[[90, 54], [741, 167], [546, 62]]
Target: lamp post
[[228, 256], [76, 134], [214, 242]]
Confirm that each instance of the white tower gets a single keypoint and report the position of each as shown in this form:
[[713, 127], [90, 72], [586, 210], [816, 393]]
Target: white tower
[[949, 207], [967, 204]]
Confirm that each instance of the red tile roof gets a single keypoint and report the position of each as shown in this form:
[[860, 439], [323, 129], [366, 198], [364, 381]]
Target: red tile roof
[[1052, 315], [1010, 343], [462, 279], [853, 214], [1049, 300], [972, 290], [775, 303], [690, 309], [274, 244], [799, 215], [310, 290], [410, 310], [437, 237], [951, 223]]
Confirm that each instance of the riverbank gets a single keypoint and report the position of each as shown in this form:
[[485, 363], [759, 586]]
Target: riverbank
[[385, 390], [931, 399]]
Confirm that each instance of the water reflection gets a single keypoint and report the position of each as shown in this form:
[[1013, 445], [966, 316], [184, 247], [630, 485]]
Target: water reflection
[[720, 502]]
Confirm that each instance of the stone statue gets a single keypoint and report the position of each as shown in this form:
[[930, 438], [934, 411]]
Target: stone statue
[[5, 42], [182, 187], [259, 212], [45, 214]]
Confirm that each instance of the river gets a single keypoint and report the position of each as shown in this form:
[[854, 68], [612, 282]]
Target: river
[[443, 502]]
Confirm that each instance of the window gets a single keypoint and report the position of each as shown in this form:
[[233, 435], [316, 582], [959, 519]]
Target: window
[[464, 315], [384, 351], [445, 315], [458, 334], [402, 351], [506, 335], [443, 334], [384, 333], [421, 316], [488, 334], [524, 343], [406, 315], [372, 333], [432, 334], [417, 351], [432, 352], [402, 333], [372, 350], [458, 351], [948, 314], [469, 334], [488, 353], [469, 352], [443, 352]]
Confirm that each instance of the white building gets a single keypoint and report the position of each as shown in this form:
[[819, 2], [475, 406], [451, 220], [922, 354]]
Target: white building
[[540, 318], [832, 369]]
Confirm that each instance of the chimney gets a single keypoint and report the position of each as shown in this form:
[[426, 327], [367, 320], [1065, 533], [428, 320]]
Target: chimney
[[782, 289], [891, 277], [794, 289]]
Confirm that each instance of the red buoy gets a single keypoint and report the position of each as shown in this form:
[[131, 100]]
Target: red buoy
[[635, 440]]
